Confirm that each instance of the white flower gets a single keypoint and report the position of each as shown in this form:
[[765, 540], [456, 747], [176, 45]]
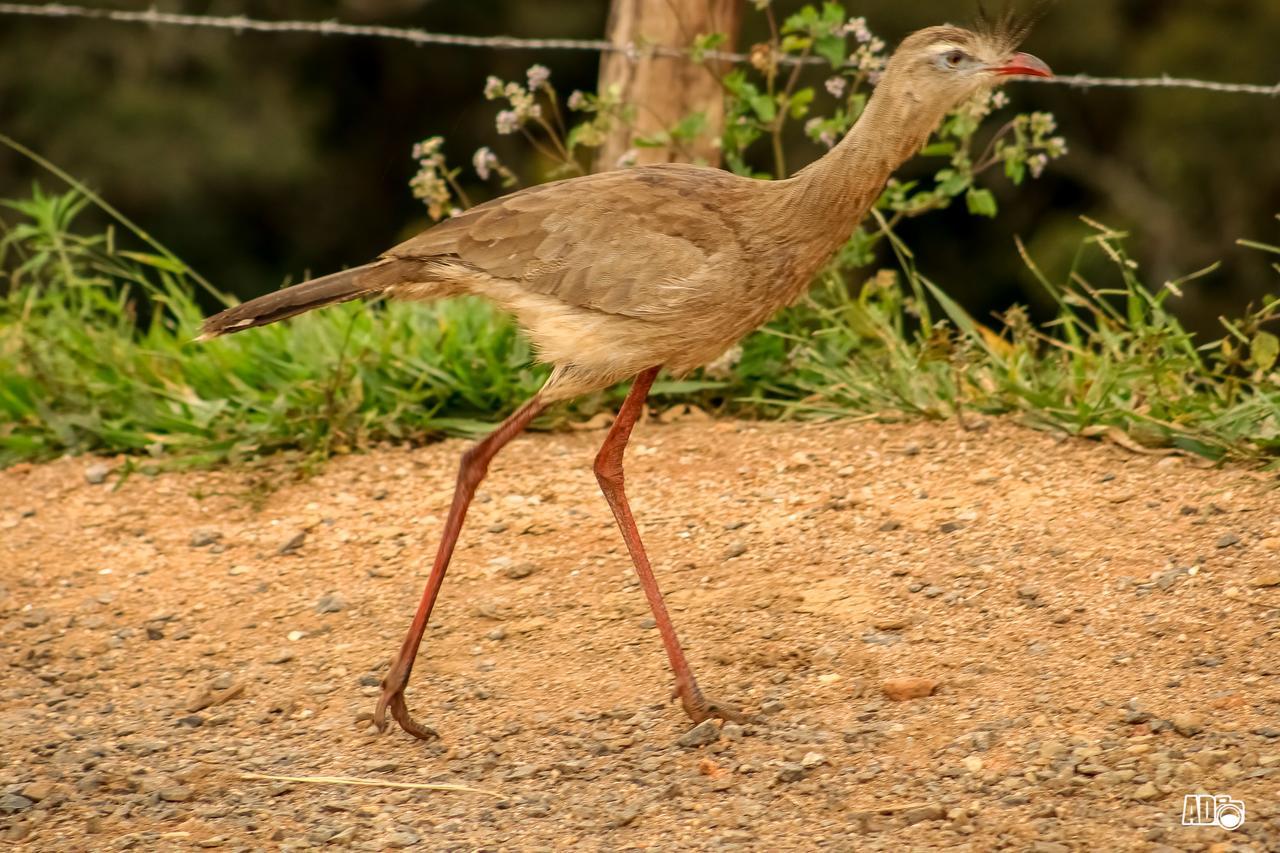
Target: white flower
[[493, 88], [508, 122], [538, 76], [1037, 164], [428, 148], [1043, 124], [485, 161], [577, 101], [628, 159], [857, 27], [999, 100], [836, 86]]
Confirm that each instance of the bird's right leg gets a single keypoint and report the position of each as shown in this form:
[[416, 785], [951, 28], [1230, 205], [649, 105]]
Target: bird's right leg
[[475, 464], [609, 475]]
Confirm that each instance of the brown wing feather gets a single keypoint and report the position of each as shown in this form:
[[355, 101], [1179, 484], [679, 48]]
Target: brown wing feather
[[637, 242]]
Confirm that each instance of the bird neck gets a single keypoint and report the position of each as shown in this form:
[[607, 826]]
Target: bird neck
[[844, 183]]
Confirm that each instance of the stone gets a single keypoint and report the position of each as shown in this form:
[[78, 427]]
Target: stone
[[1266, 580], [933, 811], [1146, 792], [1228, 539], [39, 790], [519, 571], [812, 760], [522, 771], [96, 474], [35, 617], [293, 543], [790, 772], [14, 803], [175, 793], [704, 733], [1188, 724], [331, 603], [399, 839], [204, 537], [908, 687], [212, 694]]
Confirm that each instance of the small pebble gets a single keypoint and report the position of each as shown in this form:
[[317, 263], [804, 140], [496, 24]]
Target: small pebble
[[1146, 792], [38, 790], [14, 803], [929, 812], [906, 688], [519, 571], [175, 794], [705, 732], [204, 537], [1188, 725], [331, 603]]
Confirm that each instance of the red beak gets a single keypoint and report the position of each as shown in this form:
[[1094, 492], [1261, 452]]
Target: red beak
[[1024, 65]]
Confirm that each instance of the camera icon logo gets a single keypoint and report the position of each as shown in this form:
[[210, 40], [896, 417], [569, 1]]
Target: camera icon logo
[[1219, 810]]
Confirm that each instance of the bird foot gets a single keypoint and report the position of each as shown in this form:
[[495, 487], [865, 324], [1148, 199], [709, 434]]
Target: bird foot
[[700, 708], [392, 699]]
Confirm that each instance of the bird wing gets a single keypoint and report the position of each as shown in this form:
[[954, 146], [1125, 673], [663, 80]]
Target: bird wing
[[637, 242]]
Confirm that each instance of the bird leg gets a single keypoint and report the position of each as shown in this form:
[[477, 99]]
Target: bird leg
[[475, 463], [609, 474]]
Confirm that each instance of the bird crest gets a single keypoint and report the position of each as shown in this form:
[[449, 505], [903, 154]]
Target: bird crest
[[1010, 27]]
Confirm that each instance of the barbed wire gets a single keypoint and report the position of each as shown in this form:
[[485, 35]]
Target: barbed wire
[[242, 24]]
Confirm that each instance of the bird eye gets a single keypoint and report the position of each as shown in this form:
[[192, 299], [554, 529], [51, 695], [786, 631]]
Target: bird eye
[[954, 58]]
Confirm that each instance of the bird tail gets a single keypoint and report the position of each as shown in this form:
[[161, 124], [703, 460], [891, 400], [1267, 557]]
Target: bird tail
[[328, 290]]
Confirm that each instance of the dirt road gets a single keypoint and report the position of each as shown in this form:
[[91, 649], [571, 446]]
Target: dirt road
[[1103, 628]]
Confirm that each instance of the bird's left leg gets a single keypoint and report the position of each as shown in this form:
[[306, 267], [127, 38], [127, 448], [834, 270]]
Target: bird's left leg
[[475, 464], [609, 474]]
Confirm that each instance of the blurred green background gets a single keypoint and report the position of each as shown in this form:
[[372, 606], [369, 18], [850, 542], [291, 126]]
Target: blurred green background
[[258, 158]]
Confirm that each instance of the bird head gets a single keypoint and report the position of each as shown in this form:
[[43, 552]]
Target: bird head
[[949, 65]]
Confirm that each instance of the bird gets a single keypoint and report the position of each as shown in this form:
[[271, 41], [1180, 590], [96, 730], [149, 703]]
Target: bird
[[621, 274]]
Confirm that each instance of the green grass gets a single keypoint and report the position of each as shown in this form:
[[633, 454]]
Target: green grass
[[97, 355]]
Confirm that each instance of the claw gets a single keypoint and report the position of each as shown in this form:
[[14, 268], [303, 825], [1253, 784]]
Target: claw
[[392, 699], [699, 708], [400, 711]]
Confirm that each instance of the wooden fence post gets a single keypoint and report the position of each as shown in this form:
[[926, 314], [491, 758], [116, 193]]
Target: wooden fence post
[[665, 89]]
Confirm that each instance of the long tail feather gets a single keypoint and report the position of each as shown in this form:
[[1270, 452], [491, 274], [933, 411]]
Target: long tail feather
[[339, 287]]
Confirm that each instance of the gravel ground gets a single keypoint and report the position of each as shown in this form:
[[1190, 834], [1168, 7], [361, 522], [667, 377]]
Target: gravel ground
[[1088, 635]]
